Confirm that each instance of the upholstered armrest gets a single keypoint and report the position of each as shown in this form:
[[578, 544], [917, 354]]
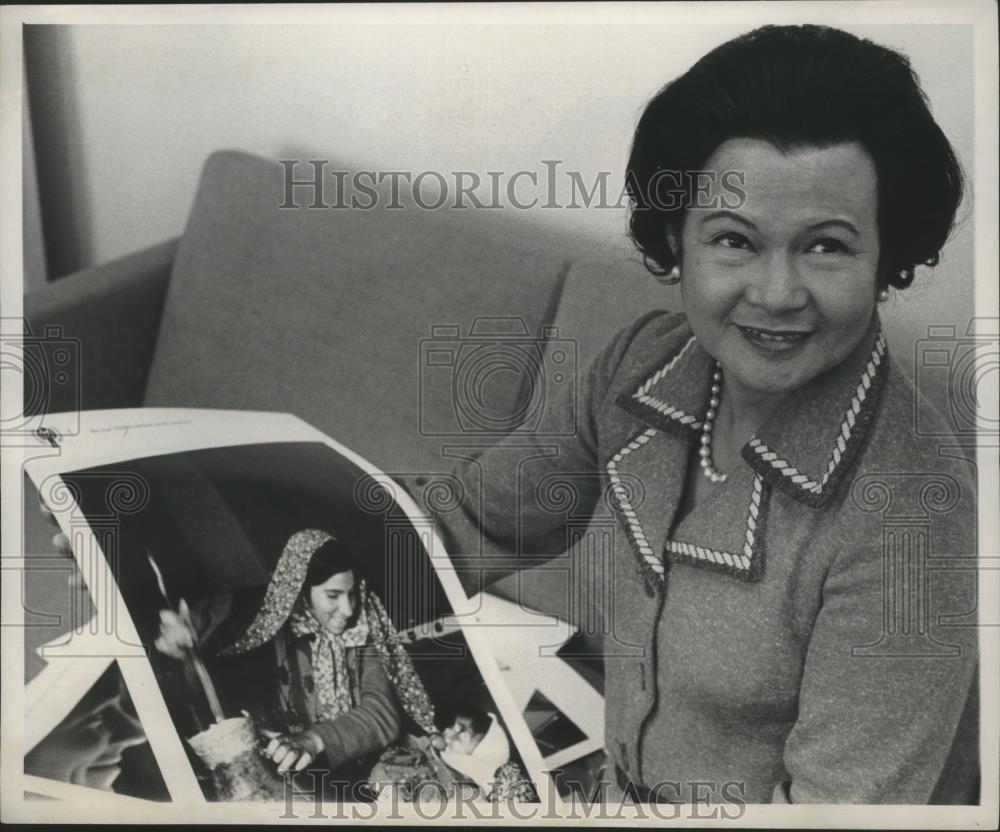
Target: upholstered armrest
[[110, 316]]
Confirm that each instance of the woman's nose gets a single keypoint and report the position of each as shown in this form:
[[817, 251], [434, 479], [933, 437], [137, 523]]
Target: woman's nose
[[126, 730], [345, 607], [778, 288]]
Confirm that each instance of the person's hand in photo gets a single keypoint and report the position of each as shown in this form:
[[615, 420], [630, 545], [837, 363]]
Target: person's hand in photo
[[176, 635], [292, 752]]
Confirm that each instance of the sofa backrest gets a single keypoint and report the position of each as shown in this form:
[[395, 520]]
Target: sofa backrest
[[356, 320]]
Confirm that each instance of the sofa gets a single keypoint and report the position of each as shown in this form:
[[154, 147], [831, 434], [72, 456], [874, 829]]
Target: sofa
[[336, 316]]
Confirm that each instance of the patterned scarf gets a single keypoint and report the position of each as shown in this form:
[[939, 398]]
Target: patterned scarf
[[329, 658], [282, 604]]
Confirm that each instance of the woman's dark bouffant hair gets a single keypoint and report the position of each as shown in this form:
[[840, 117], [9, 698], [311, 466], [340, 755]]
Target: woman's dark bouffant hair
[[796, 86], [330, 559]]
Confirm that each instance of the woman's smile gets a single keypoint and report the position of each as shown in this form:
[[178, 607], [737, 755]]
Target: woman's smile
[[774, 341]]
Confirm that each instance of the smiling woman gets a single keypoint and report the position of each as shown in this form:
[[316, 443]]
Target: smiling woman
[[779, 633], [318, 668]]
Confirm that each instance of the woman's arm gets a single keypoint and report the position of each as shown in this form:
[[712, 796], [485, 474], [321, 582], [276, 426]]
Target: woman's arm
[[369, 726], [881, 696], [517, 492]]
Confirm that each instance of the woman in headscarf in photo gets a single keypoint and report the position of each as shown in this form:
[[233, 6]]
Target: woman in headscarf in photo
[[320, 667]]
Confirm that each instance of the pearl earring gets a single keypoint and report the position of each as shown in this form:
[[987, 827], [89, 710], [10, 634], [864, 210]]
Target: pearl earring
[[883, 296], [670, 278]]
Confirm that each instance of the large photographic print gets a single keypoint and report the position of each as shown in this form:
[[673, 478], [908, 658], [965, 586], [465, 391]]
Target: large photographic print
[[294, 622]]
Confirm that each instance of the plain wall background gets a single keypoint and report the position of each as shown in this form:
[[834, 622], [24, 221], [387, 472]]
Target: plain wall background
[[125, 115]]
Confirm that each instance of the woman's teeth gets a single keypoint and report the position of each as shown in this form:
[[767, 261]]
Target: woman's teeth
[[774, 340]]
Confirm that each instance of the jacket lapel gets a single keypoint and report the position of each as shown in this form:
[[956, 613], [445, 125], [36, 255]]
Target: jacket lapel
[[647, 474], [646, 478], [805, 450], [725, 533]]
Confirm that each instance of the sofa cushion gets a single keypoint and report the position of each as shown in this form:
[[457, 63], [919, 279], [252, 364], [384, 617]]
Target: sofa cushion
[[328, 314]]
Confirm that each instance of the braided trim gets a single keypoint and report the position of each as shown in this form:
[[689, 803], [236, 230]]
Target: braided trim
[[699, 552], [788, 470], [642, 394], [651, 563], [746, 564]]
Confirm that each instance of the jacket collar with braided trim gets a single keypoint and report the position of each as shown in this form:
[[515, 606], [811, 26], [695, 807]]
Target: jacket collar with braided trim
[[807, 446]]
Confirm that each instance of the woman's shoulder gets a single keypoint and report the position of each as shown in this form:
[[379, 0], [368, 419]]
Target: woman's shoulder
[[915, 431], [642, 345], [651, 329], [913, 467]]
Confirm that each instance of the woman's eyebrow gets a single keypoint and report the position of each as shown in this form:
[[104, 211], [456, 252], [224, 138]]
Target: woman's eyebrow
[[845, 224], [727, 215]]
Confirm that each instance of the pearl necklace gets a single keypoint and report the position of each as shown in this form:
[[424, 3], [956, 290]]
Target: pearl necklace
[[705, 451]]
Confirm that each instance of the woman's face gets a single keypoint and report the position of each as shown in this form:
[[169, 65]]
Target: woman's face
[[86, 748], [333, 602], [783, 287]]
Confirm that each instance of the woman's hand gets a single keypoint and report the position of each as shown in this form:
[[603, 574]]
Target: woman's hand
[[176, 636], [62, 546], [292, 751]]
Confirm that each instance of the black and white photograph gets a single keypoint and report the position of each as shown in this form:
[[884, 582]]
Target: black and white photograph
[[546, 413], [292, 619], [99, 744]]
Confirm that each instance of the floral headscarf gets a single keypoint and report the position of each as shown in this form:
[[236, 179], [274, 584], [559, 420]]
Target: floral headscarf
[[373, 628]]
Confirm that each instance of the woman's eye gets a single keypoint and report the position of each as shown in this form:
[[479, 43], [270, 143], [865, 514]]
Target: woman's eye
[[733, 240], [827, 246]]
